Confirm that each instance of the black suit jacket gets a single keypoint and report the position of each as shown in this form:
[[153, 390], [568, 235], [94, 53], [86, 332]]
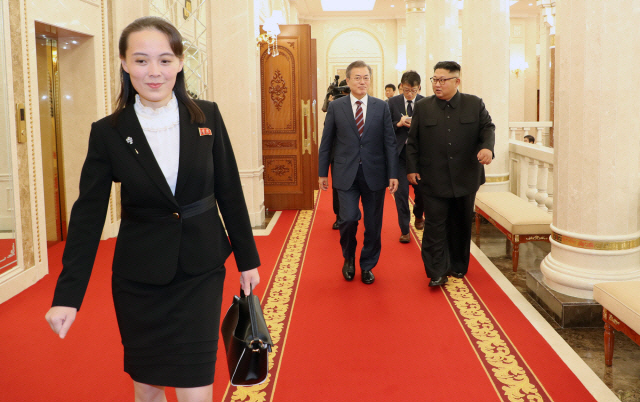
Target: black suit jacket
[[396, 106], [151, 251], [444, 141], [376, 149]]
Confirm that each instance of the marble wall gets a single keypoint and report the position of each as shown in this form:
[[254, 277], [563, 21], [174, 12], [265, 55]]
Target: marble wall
[[339, 42], [84, 55]]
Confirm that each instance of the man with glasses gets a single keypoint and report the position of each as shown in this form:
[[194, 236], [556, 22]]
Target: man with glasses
[[401, 108], [450, 140], [359, 126]]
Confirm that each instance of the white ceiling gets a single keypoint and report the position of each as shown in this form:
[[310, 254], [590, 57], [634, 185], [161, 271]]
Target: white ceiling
[[312, 9]]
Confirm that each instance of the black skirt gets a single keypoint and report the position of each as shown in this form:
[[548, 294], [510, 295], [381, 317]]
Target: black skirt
[[170, 332]]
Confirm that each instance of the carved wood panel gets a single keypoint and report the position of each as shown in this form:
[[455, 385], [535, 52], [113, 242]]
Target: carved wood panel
[[280, 170], [279, 92]]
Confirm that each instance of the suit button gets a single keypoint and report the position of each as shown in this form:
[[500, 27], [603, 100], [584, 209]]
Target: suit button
[[176, 215], [448, 117], [451, 157], [449, 130], [449, 143]]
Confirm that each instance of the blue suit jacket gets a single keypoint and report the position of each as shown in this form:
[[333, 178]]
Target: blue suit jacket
[[376, 148]]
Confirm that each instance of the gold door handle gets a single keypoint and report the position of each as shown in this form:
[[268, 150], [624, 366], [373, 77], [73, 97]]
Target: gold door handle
[[306, 131], [315, 124]]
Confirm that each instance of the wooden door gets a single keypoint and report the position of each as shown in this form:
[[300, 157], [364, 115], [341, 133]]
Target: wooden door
[[288, 121]]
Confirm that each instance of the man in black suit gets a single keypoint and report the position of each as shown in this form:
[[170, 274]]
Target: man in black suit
[[359, 126], [401, 108], [450, 139]]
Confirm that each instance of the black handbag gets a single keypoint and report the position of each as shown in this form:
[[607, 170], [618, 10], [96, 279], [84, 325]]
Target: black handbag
[[246, 341]]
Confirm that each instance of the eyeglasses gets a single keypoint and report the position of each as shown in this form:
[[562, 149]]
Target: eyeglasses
[[358, 78], [410, 91], [441, 80]]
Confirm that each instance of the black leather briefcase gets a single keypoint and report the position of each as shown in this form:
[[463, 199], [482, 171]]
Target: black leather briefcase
[[246, 341]]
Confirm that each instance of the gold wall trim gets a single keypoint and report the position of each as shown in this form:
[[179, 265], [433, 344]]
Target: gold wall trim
[[497, 179], [416, 10], [595, 244], [38, 246]]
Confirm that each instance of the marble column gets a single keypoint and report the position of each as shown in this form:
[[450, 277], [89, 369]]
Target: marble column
[[485, 73], [443, 36], [234, 77], [546, 21], [416, 38], [595, 233]]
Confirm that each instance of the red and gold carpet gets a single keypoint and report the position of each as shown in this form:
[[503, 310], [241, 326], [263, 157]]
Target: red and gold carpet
[[395, 340]]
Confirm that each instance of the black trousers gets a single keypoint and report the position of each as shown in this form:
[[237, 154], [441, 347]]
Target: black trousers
[[402, 196], [446, 241], [372, 207]]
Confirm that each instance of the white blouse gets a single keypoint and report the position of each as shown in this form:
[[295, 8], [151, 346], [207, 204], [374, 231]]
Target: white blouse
[[162, 128]]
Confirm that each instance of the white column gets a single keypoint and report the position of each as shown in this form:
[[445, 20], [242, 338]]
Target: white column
[[485, 73], [416, 37], [234, 74], [595, 233], [545, 72], [443, 33]]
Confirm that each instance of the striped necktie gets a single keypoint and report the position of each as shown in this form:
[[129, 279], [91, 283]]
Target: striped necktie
[[359, 118]]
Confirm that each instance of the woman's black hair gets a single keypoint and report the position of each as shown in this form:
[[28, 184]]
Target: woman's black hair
[[128, 93]]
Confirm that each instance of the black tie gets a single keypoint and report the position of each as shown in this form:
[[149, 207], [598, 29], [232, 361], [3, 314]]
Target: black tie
[[409, 109]]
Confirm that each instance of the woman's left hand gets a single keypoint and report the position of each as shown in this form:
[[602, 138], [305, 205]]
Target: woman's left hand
[[249, 279]]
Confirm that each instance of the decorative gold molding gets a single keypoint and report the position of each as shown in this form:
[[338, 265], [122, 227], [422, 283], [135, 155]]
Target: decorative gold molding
[[552, 40], [416, 10], [595, 244], [38, 246], [497, 179]]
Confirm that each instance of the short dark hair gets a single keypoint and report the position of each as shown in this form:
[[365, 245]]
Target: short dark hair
[[411, 77], [358, 64], [450, 66], [390, 86], [531, 138]]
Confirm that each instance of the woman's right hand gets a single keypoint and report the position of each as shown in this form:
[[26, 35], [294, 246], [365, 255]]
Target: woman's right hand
[[60, 319]]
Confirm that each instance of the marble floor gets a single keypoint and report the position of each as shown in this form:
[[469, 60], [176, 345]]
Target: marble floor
[[623, 377]]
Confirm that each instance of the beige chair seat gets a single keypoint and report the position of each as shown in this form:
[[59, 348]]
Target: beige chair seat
[[513, 213], [621, 299]]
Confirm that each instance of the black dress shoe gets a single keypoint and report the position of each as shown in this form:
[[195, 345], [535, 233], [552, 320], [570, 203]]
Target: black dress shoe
[[367, 277], [349, 268], [439, 281], [336, 225], [458, 275]]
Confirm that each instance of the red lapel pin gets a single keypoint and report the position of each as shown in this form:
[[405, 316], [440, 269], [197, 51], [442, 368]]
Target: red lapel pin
[[204, 131]]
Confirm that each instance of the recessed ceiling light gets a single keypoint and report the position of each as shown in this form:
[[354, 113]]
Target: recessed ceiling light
[[393, 5], [352, 5]]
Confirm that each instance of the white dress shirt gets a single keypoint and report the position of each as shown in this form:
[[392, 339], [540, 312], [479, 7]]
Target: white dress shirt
[[162, 128], [364, 101]]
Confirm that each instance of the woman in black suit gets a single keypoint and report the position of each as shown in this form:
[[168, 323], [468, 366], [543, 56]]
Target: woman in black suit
[[173, 158]]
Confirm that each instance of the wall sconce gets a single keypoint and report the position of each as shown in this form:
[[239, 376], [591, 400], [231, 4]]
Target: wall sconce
[[518, 66], [271, 32]]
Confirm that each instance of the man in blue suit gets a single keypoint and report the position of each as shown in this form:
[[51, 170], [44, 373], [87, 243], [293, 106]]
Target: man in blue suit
[[401, 108], [365, 162]]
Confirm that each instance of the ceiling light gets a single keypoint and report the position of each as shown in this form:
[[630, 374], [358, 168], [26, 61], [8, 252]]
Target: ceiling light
[[352, 5], [392, 5]]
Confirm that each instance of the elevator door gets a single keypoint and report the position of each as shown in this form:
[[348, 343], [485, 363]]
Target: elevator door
[[50, 136]]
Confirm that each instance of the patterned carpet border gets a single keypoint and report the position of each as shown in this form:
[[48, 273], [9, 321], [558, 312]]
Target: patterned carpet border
[[278, 305], [512, 378]]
